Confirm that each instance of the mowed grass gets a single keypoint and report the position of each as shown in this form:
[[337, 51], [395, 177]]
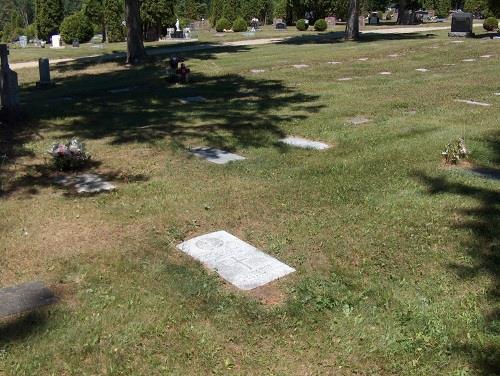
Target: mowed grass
[[396, 255]]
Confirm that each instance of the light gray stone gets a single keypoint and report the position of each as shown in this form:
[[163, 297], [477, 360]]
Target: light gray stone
[[344, 79], [85, 183], [216, 155], [422, 70], [334, 62], [385, 73], [197, 99], [497, 94], [236, 261], [300, 66], [473, 102], [24, 297], [257, 70], [304, 143], [363, 59], [468, 60], [486, 56]]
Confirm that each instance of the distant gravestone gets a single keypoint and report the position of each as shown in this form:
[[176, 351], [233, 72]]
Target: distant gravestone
[[76, 43], [423, 70], [23, 41], [461, 25], [238, 262], [344, 79], [216, 156], [44, 71], [56, 41], [331, 22], [24, 297]]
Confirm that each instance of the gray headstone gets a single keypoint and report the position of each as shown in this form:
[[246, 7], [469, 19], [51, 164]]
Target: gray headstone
[[23, 41], [216, 155], [236, 261], [24, 297], [304, 143], [44, 70], [461, 24], [9, 87]]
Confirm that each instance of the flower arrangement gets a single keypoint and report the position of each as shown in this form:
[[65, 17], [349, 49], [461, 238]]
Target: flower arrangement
[[70, 156], [455, 151]]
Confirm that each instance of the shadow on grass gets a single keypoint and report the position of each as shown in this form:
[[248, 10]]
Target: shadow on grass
[[483, 221], [21, 327]]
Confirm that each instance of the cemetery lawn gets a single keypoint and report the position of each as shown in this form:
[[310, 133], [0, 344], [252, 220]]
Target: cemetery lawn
[[397, 255]]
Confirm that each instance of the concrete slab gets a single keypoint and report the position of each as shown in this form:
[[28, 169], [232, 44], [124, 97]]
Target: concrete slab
[[238, 262], [304, 143], [216, 156], [24, 297], [473, 102]]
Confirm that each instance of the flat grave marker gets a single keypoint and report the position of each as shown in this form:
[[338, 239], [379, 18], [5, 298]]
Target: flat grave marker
[[385, 73], [363, 59], [304, 143], [120, 90], [300, 66], [422, 70], [344, 79], [486, 56], [334, 62], [468, 60], [196, 99], [216, 156], [497, 94], [85, 183], [257, 70], [475, 103], [25, 297], [236, 261]]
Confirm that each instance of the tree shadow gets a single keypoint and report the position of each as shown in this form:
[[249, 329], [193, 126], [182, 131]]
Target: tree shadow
[[484, 249], [22, 327]]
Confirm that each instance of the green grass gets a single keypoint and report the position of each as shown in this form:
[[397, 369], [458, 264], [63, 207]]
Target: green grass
[[396, 255]]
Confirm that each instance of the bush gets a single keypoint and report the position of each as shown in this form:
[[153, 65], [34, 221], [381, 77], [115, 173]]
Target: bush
[[320, 25], [380, 15], [76, 26], [490, 24], [222, 24], [455, 151], [240, 25], [302, 25]]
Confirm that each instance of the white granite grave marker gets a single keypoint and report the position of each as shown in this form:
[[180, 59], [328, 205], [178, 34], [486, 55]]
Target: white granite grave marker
[[304, 143], [334, 62], [237, 262], [422, 70], [257, 70], [216, 155], [300, 66], [385, 73], [344, 79], [468, 60], [363, 59]]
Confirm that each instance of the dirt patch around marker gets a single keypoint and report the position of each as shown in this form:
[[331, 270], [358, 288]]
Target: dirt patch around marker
[[269, 294]]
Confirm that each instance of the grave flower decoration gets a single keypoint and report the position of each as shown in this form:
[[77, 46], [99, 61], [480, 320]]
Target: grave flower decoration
[[455, 151], [69, 156]]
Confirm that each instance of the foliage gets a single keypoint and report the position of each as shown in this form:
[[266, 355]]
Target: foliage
[[280, 8], [30, 31], [231, 9], [216, 9], [49, 15], [302, 25], [157, 13], [76, 26], [113, 19], [192, 9], [320, 25], [70, 156], [455, 151], [222, 24], [490, 24], [239, 25]]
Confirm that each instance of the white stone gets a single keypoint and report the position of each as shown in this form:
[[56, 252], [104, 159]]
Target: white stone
[[300, 66], [450, 65], [216, 155], [469, 60], [485, 56], [457, 41], [394, 55], [385, 73], [85, 183], [422, 70], [334, 62], [236, 261], [362, 59], [498, 94], [473, 102], [56, 41], [304, 143], [257, 70], [344, 79], [196, 99]]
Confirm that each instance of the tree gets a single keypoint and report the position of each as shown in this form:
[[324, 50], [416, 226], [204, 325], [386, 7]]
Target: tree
[[216, 10], [135, 46], [113, 19], [94, 11], [352, 25], [157, 13], [49, 15]]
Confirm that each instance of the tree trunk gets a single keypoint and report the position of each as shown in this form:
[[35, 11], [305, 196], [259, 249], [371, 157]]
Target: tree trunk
[[135, 46], [352, 25], [403, 7]]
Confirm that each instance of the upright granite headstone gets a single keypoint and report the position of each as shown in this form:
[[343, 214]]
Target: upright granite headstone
[[461, 25], [23, 41], [44, 69], [9, 88]]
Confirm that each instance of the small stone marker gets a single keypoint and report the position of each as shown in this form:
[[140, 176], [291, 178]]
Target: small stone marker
[[300, 66], [450, 65], [236, 261], [468, 60], [344, 79], [422, 70], [24, 297], [473, 102], [334, 62], [257, 70], [394, 55], [486, 56], [216, 156], [197, 99], [85, 183], [457, 41], [385, 73], [44, 71], [497, 94], [358, 120], [304, 143], [363, 59]]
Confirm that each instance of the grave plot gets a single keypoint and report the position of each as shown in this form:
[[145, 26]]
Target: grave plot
[[474, 103], [304, 143], [236, 261], [24, 298], [216, 156], [85, 183]]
